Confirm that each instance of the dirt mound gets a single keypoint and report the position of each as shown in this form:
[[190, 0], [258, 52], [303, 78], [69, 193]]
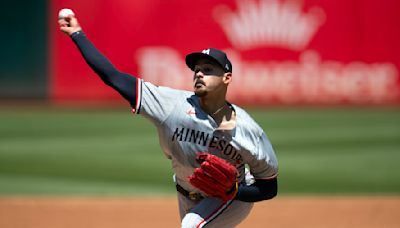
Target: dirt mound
[[46, 212]]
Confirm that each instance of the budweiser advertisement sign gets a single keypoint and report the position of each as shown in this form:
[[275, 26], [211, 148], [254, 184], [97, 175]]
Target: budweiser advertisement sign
[[283, 51]]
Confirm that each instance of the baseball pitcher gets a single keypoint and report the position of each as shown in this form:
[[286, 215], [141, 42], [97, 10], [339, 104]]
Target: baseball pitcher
[[222, 159]]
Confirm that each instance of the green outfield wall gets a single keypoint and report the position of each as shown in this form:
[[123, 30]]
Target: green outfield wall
[[23, 49]]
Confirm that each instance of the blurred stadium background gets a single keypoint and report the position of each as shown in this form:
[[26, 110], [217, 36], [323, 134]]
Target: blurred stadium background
[[324, 86]]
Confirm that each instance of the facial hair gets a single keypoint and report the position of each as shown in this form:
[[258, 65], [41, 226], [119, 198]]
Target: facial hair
[[201, 93]]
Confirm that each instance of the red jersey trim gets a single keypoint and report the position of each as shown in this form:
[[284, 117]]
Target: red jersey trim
[[137, 107]]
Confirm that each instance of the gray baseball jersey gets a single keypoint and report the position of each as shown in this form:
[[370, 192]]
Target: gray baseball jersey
[[185, 129]]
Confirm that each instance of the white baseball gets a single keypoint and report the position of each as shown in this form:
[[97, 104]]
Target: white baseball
[[64, 13]]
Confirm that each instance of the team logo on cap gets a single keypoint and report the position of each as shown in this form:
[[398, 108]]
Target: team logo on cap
[[206, 51]]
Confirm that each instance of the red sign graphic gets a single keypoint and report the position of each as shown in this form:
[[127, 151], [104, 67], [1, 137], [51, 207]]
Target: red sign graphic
[[282, 51]]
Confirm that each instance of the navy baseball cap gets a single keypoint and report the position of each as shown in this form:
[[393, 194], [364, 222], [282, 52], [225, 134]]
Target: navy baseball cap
[[213, 54]]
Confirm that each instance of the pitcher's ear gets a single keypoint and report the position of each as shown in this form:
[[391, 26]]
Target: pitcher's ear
[[227, 78]]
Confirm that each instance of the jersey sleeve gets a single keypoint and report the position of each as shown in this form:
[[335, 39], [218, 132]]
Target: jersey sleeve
[[156, 102], [264, 164]]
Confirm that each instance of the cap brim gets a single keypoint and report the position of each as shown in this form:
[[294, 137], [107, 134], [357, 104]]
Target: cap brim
[[193, 58]]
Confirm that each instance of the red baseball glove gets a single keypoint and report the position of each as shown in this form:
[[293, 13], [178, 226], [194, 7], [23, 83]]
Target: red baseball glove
[[216, 177]]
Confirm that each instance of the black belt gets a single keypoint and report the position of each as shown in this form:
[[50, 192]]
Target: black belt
[[195, 196]]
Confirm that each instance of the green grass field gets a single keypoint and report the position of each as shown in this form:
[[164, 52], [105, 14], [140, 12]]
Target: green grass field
[[48, 151]]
